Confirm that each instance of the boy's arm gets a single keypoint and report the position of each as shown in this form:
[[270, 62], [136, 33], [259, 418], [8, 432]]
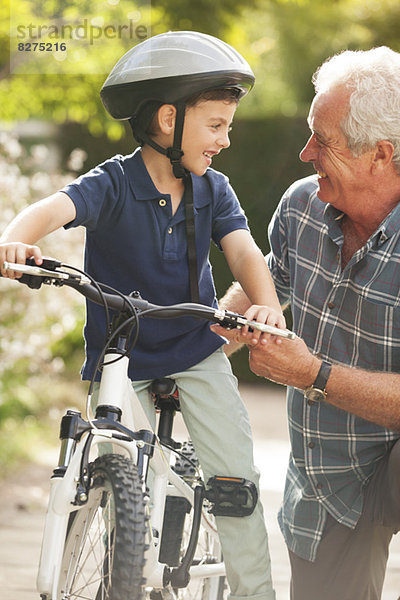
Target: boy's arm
[[235, 300], [32, 224], [248, 265]]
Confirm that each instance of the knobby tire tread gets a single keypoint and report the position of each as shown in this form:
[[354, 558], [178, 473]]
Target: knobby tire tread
[[118, 474]]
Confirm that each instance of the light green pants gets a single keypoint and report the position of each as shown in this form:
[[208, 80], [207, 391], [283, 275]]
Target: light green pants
[[219, 428]]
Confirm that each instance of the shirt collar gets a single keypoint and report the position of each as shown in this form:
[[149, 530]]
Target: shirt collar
[[140, 181], [333, 218], [389, 226], [143, 188]]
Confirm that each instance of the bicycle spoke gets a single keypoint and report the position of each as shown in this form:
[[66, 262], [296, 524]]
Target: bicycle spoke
[[97, 565], [94, 550]]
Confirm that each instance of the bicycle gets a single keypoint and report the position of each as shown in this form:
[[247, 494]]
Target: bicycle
[[105, 535]]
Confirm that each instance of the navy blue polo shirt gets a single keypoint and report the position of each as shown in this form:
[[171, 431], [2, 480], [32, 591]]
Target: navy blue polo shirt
[[134, 243]]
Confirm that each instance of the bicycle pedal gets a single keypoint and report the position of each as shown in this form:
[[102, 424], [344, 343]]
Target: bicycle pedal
[[231, 496]]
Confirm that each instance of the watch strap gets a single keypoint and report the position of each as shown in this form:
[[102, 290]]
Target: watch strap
[[323, 375]]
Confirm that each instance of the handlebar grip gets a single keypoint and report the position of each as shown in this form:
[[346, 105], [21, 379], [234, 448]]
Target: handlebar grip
[[31, 281], [35, 281]]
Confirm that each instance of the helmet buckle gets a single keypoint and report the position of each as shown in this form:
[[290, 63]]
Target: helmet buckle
[[174, 154]]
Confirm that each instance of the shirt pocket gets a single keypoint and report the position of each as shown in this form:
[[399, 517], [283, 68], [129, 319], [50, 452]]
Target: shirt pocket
[[376, 336]]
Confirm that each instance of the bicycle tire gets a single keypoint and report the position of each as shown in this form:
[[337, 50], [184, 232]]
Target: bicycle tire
[[176, 532], [104, 548]]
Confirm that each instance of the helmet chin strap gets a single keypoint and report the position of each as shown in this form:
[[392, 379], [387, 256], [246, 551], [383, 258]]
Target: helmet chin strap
[[175, 153]]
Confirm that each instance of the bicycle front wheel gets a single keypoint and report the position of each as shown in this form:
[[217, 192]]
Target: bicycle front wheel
[[103, 555]]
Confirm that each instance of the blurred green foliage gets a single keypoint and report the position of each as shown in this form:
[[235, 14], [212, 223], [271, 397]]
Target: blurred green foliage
[[208, 16], [41, 346], [284, 41]]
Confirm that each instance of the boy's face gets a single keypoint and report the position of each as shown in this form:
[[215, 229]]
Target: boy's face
[[206, 133]]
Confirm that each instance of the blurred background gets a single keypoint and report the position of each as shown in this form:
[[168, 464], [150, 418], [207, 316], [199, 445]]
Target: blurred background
[[53, 127]]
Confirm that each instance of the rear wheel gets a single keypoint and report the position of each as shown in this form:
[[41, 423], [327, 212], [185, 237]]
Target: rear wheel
[[103, 555], [176, 532]]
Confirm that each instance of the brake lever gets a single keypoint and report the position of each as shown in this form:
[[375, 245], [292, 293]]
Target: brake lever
[[34, 270], [231, 320], [47, 275], [271, 329]]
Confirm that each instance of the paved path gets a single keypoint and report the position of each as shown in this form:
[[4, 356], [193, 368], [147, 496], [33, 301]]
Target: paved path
[[23, 501]]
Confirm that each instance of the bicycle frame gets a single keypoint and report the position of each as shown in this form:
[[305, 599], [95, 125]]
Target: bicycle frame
[[116, 390], [70, 482]]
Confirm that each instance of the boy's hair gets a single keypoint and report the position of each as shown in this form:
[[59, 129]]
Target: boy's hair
[[224, 94]]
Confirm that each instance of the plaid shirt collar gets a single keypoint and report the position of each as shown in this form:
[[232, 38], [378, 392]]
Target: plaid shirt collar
[[389, 226]]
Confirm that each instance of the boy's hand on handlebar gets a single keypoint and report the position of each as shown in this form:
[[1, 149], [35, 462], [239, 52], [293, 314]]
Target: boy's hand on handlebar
[[262, 314], [17, 252]]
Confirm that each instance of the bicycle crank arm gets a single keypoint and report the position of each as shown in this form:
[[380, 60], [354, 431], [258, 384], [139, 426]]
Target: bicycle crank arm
[[180, 576]]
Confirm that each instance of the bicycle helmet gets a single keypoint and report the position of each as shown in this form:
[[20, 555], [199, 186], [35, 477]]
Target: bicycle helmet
[[168, 69]]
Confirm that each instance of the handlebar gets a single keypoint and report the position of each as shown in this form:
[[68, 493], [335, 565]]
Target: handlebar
[[52, 272]]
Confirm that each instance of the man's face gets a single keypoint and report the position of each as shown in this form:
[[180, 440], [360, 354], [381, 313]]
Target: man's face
[[343, 178], [206, 133]]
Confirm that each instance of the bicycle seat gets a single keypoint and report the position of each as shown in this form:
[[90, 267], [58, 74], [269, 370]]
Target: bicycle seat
[[165, 394], [163, 387]]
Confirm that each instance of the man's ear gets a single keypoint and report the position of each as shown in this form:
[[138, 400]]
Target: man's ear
[[166, 118], [383, 154]]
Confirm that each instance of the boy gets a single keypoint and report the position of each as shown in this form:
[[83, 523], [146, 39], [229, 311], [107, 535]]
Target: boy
[[180, 91]]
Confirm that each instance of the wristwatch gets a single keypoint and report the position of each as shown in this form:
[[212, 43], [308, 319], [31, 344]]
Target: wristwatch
[[317, 392]]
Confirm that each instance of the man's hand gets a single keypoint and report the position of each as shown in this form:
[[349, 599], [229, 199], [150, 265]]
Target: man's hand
[[289, 363]]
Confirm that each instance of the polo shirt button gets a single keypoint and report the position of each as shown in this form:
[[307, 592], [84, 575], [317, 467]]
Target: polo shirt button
[[311, 445], [319, 486], [331, 305], [169, 229], [162, 202]]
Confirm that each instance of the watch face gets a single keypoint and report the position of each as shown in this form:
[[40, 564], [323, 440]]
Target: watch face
[[315, 394]]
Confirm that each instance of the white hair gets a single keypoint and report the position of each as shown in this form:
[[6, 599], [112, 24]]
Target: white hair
[[373, 78]]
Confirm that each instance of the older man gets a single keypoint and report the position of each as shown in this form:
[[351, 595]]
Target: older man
[[335, 257]]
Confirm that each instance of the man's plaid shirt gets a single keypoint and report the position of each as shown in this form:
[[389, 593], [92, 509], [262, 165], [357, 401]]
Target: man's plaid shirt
[[349, 316]]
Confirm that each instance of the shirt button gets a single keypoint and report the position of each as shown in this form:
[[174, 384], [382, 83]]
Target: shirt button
[[331, 305], [310, 402], [311, 444], [169, 229], [319, 486], [162, 202]]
